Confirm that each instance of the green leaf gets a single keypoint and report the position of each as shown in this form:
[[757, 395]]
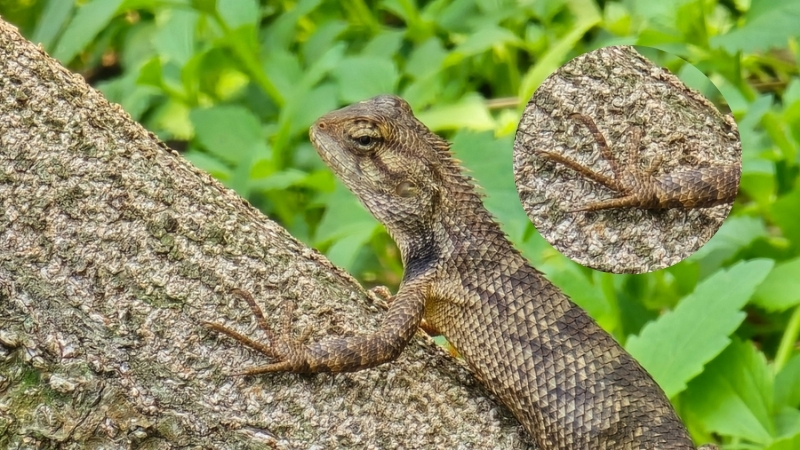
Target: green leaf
[[123, 90], [675, 347], [239, 12], [87, 23], [311, 105], [789, 442], [555, 56], [787, 422], [480, 41], [617, 19], [426, 59], [343, 209], [281, 33], [362, 77], [54, 16], [344, 251], [322, 40], [176, 36], [758, 181], [209, 164], [319, 68], [735, 234], [283, 68], [150, 74], [784, 212], [664, 12], [279, 180], [423, 92], [733, 396], [229, 132], [768, 23], [172, 118], [348, 223], [207, 6], [787, 384], [453, 17], [385, 43], [469, 112], [781, 289]]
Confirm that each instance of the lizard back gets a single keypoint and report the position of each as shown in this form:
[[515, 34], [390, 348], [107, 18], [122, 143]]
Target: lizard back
[[568, 382]]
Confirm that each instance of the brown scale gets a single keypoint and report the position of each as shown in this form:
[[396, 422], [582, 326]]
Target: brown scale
[[566, 380]]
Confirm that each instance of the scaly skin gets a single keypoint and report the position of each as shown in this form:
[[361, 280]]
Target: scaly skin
[[567, 381]]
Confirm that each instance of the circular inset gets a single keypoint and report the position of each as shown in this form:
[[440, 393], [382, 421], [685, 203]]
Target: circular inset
[[621, 166]]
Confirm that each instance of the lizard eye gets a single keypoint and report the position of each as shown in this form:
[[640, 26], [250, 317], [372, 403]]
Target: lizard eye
[[364, 136], [365, 142]]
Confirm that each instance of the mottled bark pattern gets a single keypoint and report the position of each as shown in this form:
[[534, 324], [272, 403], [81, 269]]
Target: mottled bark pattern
[[113, 249]]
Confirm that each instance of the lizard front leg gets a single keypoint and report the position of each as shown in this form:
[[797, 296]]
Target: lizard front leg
[[383, 294], [631, 183], [639, 188], [346, 354]]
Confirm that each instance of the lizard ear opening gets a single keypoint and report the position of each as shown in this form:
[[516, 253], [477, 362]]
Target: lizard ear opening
[[406, 189]]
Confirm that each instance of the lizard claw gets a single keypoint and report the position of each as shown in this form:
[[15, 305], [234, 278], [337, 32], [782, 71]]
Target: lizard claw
[[289, 353], [381, 293]]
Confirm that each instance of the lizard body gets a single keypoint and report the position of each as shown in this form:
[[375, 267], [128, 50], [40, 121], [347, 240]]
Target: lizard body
[[566, 380]]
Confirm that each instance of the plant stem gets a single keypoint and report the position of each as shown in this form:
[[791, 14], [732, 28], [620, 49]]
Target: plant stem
[[788, 340]]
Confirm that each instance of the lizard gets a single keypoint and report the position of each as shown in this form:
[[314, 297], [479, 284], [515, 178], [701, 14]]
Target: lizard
[[567, 381], [638, 188]]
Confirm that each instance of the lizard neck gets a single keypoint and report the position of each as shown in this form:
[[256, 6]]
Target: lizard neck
[[459, 220], [419, 254]]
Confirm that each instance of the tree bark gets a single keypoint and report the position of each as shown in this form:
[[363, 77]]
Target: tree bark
[[113, 249]]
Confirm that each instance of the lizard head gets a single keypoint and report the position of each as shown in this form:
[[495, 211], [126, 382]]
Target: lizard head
[[385, 156]]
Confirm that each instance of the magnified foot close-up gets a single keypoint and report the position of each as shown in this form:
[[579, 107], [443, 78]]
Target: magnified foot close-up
[[621, 166]]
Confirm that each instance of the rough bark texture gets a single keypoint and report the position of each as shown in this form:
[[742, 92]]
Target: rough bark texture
[[622, 92], [113, 249]]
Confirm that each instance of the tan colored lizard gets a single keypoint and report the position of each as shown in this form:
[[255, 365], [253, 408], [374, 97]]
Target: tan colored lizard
[[566, 380]]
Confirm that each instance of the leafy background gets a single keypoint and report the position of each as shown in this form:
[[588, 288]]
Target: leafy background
[[234, 85]]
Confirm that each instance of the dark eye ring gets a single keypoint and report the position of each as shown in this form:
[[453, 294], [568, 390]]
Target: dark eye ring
[[364, 140]]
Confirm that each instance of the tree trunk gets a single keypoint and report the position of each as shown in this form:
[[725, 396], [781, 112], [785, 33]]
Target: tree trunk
[[113, 249]]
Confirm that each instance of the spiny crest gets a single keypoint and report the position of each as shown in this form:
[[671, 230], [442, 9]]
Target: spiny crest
[[452, 170], [463, 187]]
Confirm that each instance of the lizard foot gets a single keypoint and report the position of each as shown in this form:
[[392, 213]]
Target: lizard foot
[[626, 182], [290, 353]]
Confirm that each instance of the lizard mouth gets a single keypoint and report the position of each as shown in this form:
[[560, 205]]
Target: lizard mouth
[[317, 137]]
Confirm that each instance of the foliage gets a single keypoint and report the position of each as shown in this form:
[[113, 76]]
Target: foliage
[[235, 84]]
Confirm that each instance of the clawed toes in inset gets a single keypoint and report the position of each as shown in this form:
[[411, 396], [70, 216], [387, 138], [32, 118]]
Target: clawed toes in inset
[[617, 183]]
